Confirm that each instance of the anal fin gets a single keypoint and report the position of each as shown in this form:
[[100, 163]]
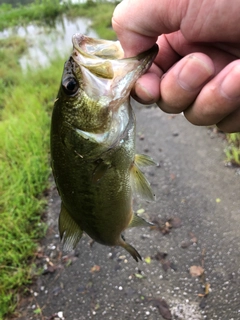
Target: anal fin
[[139, 222], [70, 232]]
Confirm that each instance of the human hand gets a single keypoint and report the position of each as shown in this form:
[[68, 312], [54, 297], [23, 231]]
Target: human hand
[[197, 69]]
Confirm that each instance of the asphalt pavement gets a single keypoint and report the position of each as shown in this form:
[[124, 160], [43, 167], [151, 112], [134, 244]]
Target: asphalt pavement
[[191, 258]]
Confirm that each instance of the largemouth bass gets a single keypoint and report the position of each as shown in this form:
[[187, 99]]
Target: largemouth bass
[[93, 144]]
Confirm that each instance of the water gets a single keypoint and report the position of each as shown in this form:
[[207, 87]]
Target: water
[[14, 3], [46, 42]]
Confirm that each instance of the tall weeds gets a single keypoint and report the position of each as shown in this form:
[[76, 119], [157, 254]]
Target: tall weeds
[[232, 151], [26, 102]]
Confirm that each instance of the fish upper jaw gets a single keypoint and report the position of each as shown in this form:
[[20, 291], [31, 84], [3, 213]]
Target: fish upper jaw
[[107, 75]]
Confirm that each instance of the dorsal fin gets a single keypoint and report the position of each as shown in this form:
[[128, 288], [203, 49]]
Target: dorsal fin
[[70, 232], [139, 222]]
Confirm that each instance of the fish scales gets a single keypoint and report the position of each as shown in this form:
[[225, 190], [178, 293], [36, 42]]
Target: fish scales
[[93, 144]]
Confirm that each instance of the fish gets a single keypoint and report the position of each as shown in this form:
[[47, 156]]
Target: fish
[[92, 144]]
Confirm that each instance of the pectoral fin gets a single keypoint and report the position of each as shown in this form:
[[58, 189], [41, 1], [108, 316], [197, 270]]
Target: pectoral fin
[[100, 170], [139, 184], [143, 160], [70, 232], [139, 222]]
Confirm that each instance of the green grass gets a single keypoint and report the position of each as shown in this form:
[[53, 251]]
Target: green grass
[[233, 149], [26, 102], [100, 13], [44, 11]]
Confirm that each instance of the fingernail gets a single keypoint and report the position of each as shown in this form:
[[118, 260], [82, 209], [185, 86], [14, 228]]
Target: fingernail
[[230, 87], [142, 91], [194, 73]]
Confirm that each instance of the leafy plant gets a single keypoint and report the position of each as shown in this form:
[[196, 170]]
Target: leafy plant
[[232, 151]]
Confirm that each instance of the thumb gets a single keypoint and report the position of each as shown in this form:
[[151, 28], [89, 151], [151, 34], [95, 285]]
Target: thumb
[[138, 23]]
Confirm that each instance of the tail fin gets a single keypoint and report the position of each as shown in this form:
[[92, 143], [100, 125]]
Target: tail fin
[[136, 256]]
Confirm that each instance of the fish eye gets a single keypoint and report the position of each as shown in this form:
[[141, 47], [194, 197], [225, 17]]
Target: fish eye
[[70, 86]]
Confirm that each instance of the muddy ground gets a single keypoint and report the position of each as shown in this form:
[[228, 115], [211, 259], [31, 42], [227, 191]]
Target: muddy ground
[[191, 258]]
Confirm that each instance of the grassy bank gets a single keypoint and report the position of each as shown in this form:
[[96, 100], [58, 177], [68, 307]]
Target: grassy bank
[[100, 13], [41, 11], [26, 102], [233, 149]]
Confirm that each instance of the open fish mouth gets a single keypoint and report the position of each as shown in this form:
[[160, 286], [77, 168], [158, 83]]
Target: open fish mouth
[[108, 50], [103, 66], [91, 47]]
